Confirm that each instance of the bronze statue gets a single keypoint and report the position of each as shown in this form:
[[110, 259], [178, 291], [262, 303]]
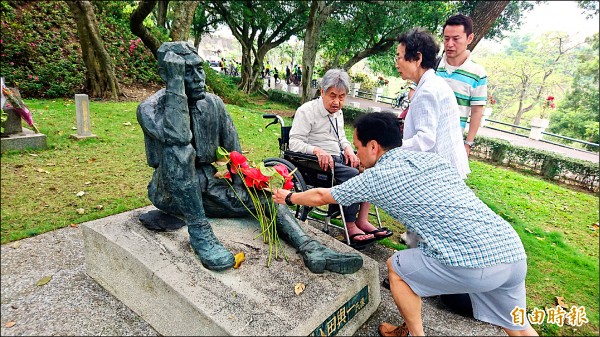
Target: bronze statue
[[183, 126]]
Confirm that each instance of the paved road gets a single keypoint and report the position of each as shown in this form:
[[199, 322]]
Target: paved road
[[73, 304], [513, 139]]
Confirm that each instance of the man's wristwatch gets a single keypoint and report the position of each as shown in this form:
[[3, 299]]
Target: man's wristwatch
[[288, 199], [469, 143]]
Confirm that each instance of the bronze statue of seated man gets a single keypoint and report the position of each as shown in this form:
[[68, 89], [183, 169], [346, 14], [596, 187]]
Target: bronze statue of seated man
[[183, 127]]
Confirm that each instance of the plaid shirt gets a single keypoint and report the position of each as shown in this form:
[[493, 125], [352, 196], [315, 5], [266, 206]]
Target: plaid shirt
[[425, 193]]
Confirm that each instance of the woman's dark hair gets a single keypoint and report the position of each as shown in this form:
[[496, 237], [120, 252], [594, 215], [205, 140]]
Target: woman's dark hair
[[383, 127], [419, 40], [460, 20]]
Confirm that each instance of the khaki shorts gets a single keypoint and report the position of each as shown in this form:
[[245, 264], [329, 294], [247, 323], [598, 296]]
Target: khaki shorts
[[494, 291]]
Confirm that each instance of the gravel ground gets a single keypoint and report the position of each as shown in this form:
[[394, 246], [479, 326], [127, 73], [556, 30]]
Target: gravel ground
[[72, 303]]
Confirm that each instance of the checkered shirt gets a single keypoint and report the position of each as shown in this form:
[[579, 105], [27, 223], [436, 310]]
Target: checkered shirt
[[425, 193]]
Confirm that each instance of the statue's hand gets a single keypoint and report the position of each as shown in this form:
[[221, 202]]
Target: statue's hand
[[174, 69]]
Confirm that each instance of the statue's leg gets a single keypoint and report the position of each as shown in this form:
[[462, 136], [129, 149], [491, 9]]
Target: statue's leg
[[316, 256], [179, 180], [220, 201]]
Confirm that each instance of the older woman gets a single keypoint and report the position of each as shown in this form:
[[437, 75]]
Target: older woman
[[432, 122]]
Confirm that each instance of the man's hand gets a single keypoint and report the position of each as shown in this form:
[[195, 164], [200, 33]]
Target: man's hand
[[325, 159], [468, 149], [174, 68], [350, 158]]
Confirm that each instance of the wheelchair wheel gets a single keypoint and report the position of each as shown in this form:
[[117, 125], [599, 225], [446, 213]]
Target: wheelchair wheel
[[300, 212]]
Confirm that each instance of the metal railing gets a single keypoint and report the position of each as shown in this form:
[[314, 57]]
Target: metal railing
[[543, 133], [369, 95]]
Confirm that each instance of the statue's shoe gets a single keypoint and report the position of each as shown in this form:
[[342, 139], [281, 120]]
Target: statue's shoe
[[211, 252], [319, 258], [158, 220]]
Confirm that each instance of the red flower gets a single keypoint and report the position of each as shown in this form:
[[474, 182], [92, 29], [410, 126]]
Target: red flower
[[282, 170], [237, 161], [550, 98], [552, 106], [288, 185], [254, 178]]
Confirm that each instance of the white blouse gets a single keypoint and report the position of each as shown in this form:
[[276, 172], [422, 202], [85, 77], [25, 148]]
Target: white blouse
[[433, 123]]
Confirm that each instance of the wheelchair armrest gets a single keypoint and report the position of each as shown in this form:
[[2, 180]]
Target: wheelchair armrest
[[300, 155], [308, 166]]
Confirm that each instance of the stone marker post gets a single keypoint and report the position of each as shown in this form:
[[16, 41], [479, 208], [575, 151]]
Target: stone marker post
[[84, 125]]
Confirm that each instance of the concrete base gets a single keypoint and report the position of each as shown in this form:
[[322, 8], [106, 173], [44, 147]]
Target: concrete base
[[23, 140], [79, 137], [158, 276]]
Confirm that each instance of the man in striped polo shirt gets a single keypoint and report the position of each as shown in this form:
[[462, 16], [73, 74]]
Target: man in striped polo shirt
[[467, 78]]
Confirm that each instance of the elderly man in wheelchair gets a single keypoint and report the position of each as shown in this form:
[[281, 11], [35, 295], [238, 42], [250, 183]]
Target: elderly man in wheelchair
[[318, 129]]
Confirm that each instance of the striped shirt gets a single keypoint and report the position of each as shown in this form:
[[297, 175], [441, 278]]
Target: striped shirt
[[469, 83], [424, 192]]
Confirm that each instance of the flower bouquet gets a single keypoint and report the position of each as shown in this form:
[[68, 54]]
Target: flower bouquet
[[258, 181], [15, 102]]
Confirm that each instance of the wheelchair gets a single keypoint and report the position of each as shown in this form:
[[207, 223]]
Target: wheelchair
[[308, 174]]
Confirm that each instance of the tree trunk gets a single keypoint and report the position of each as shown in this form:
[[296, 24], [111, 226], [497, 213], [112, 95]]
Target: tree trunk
[[183, 14], [136, 23], [380, 47], [100, 70], [484, 16], [319, 12], [521, 110], [161, 17]]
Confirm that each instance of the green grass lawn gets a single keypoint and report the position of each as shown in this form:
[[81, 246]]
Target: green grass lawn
[[39, 193]]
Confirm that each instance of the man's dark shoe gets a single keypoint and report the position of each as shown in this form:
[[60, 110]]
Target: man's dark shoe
[[211, 252], [387, 329], [319, 258], [386, 283]]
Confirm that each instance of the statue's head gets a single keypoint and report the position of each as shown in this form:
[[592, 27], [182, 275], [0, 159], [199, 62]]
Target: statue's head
[[195, 85]]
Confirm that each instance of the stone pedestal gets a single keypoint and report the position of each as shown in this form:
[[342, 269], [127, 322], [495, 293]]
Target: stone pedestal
[[374, 109], [486, 113], [355, 104], [538, 125], [284, 87], [295, 90], [158, 276], [377, 92], [17, 138], [12, 125], [355, 88]]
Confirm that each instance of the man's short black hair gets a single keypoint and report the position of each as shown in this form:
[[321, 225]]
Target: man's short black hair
[[418, 40], [383, 127], [460, 20]]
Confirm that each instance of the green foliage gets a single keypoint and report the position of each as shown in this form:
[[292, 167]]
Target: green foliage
[[526, 72], [41, 54], [509, 20], [284, 97], [366, 29], [223, 86], [3, 118], [577, 113], [39, 50], [366, 83], [550, 165]]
